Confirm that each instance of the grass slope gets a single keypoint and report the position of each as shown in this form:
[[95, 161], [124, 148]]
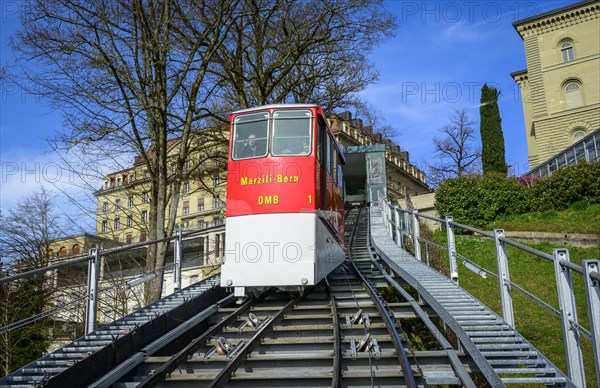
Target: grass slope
[[536, 275], [579, 218]]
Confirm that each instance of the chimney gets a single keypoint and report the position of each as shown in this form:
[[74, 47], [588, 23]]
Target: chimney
[[356, 123], [346, 116], [404, 156]]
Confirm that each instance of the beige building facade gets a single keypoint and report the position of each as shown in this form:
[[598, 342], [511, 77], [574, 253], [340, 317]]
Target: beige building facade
[[123, 200], [560, 88]]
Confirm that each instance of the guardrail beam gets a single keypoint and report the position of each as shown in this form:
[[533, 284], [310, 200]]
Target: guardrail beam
[[592, 295], [451, 250], [568, 311], [416, 235], [92, 291], [504, 278], [178, 253]]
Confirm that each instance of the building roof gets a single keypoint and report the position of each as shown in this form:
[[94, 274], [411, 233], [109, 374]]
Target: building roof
[[553, 12]]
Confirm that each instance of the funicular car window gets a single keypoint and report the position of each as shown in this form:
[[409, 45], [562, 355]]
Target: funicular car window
[[250, 134], [292, 133]]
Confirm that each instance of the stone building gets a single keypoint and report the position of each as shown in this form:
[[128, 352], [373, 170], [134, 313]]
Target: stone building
[[560, 88]]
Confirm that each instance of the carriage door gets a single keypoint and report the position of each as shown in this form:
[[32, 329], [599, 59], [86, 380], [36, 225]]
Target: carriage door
[[322, 153]]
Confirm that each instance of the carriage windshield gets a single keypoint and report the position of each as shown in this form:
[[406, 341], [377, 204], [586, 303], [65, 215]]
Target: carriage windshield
[[250, 134], [292, 132]]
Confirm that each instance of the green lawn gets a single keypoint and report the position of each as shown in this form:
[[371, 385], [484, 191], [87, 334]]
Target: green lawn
[[579, 218], [536, 275]]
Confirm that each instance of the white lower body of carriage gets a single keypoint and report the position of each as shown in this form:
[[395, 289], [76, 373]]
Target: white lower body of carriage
[[288, 251]]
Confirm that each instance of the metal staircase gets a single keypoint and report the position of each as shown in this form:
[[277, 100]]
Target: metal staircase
[[499, 351], [100, 351]]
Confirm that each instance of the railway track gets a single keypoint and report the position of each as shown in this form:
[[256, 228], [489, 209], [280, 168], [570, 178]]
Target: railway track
[[340, 333]]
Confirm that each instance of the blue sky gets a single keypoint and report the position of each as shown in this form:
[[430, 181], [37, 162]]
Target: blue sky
[[442, 54]]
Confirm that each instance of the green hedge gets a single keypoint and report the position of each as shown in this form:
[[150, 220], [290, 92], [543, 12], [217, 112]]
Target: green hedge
[[567, 186], [479, 200]]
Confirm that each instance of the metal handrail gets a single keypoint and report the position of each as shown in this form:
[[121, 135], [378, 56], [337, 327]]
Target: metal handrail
[[572, 330]]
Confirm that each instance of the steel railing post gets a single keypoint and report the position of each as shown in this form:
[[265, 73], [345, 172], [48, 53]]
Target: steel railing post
[[451, 250], [391, 223], [178, 252], [504, 278], [398, 227], [568, 311], [592, 295], [92, 291], [416, 233]]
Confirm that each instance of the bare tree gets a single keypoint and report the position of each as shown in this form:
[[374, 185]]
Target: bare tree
[[25, 236], [309, 51], [455, 154], [373, 118], [130, 76]]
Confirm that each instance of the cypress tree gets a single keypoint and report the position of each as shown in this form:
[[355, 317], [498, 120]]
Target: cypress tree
[[493, 157]]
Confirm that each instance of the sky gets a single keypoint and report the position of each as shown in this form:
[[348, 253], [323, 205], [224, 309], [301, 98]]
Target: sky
[[440, 57]]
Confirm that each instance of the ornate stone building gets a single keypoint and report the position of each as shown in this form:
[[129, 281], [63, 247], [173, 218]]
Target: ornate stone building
[[560, 88]]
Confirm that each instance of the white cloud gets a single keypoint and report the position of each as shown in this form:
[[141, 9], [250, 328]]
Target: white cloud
[[24, 171]]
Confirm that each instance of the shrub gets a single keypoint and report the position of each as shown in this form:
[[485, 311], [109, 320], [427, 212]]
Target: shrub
[[567, 186], [479, 200]]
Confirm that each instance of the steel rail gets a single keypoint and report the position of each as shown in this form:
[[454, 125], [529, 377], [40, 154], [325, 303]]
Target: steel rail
[[161, 373], [336, 379], [138, 358], [409, 377], [457, 365], [225, 374]]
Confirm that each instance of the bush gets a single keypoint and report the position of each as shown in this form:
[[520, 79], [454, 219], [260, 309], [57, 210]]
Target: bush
[[479, 200], [567, 186]]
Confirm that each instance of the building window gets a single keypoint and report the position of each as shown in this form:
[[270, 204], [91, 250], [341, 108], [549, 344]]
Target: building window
[[130, 201], [201, 224], [105, 207], [578, 134], [200, 204], [128, 239], [144, 216], [216, 181], [185, 225], [146, 174], [129, 221], [62, 252], [76, 249], [566, 49], [186, 207], [117, 223], [173, 168], [216, 202], [142, 236], [186, 187], [104, 226], [145, 197], [118, 204], [132, 177], [573, 94]]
